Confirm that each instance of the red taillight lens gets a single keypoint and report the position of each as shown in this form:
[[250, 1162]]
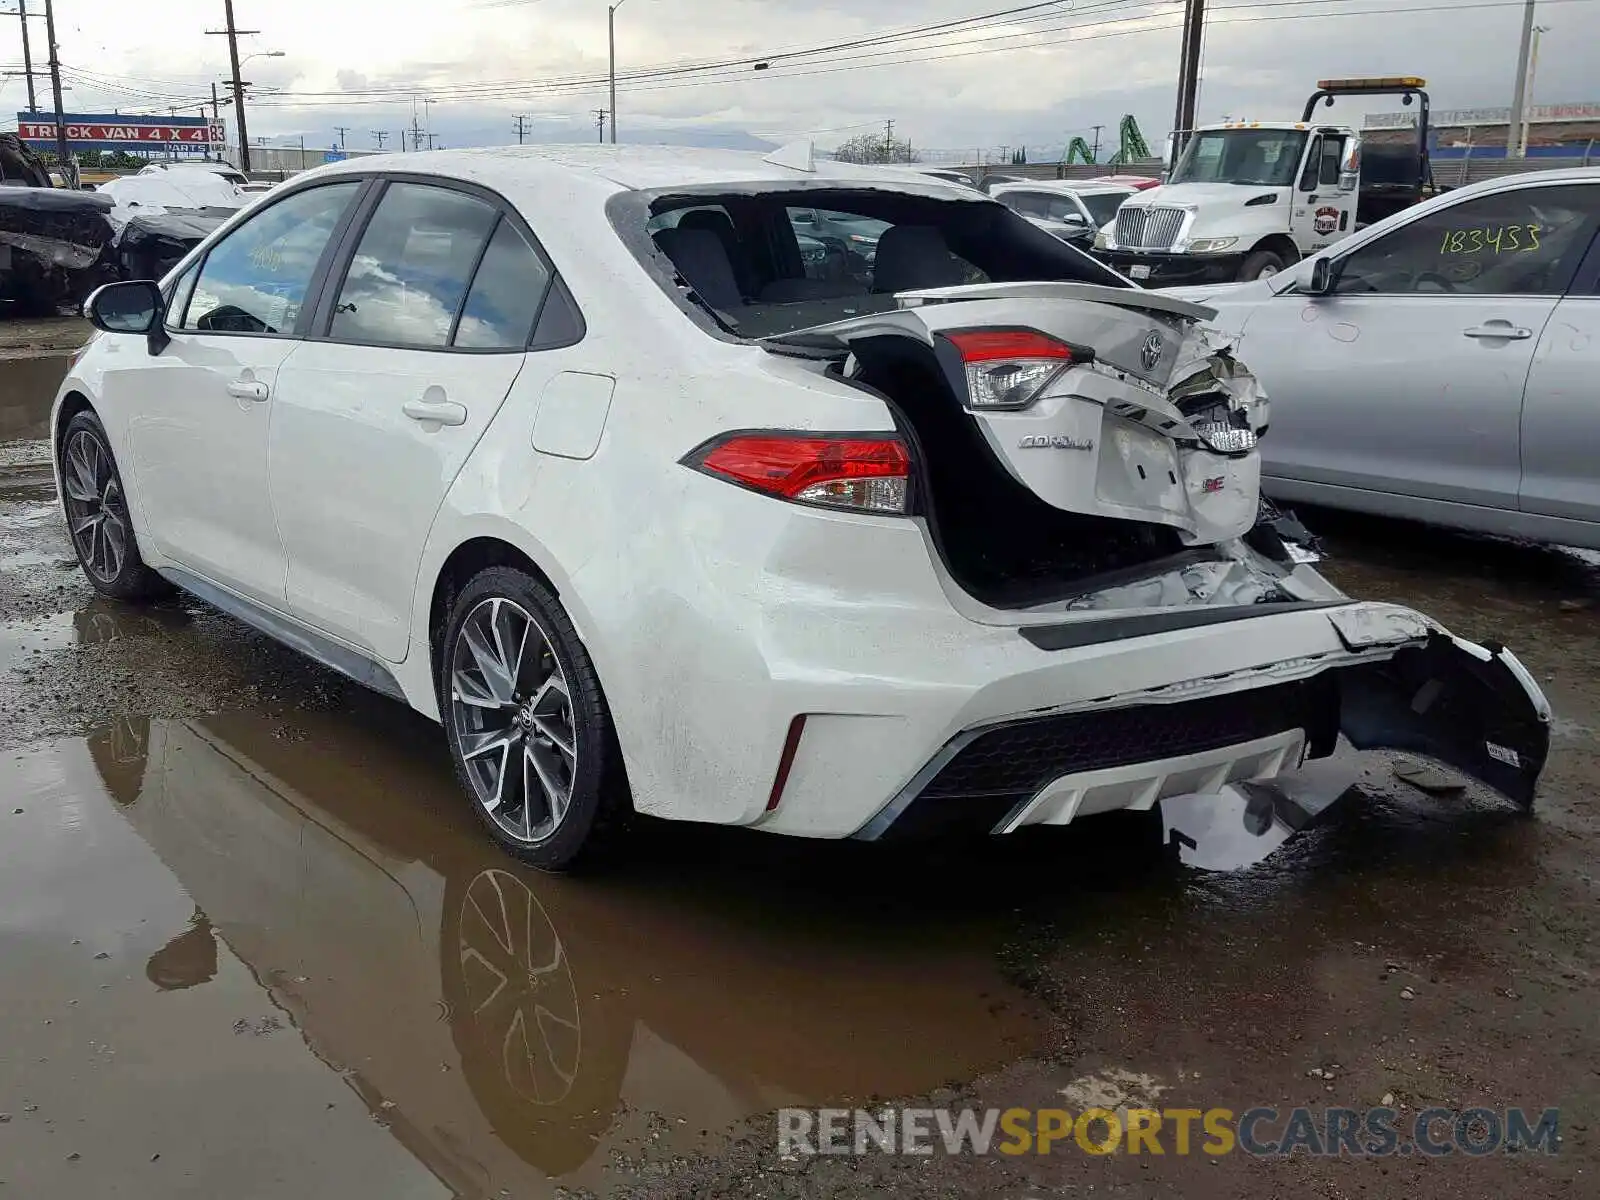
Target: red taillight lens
[[1009, 368], [987, 345], [865, 474]]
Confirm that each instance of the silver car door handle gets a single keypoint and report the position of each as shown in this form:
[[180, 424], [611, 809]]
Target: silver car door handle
[[1501, 330], [444, 412], [248, 389]]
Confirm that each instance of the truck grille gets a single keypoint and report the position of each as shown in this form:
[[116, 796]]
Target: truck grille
[[1148, 228]]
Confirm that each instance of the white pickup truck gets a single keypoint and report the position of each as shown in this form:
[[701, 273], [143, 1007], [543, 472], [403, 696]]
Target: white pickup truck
[[1246, 199]]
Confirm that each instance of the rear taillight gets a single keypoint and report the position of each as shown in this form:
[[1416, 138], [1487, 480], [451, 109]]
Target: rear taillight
[[1010, 368], [861, 474]]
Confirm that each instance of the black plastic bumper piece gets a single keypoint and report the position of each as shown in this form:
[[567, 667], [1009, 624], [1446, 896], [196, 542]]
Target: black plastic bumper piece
[[984, 774]]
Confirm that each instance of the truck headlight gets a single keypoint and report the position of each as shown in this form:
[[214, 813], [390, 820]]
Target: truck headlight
[[1211, 245], [1102, 240]]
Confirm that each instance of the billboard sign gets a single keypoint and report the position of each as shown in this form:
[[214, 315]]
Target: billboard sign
[[196, 135], [1537, 114]]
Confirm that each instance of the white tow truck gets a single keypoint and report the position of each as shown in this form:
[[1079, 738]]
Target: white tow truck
[[1246, 199]]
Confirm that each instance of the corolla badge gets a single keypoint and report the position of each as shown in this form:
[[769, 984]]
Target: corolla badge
[[1054, 441], [1150, 352]]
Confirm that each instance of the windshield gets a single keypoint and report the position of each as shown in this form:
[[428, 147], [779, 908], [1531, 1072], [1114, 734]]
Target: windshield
[[1103, 206], [766, 263], [1259, 157]]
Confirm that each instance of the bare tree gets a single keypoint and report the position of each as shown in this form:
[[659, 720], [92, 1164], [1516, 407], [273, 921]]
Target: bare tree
[[876, 148]]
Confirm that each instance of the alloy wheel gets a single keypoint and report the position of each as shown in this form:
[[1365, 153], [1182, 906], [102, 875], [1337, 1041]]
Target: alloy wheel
[[511, 715], [97, 511]]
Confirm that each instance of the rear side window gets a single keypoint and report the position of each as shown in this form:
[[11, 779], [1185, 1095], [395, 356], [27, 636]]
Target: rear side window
[[409, 276], [506, 294], [255, 280]]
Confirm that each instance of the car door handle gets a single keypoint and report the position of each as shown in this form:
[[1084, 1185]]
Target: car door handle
[[1500, 330], [443, 412], [247, 389]]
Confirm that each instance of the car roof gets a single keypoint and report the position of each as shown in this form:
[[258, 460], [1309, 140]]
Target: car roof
[[636, 168], [1068, 187]]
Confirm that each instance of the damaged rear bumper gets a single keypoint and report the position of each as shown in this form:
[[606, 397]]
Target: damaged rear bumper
[[1400, 683]]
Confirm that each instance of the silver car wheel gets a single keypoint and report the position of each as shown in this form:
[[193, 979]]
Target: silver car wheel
[[97, 513], [511, 716]]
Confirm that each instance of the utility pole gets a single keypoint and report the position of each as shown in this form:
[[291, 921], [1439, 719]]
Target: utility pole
[[55, 87], [888, 140], [1194, 25], [378, 135], [216, 105], [233, 34], [1515, 147], [416, 129], [1095, 155], [27, 55], [522, 128], [600, 116], [341, 130]]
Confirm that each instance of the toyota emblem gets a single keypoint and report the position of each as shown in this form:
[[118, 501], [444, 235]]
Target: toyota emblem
[[1150, 354]]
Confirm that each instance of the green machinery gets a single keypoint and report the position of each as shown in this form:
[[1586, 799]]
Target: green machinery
[[1132, 147]]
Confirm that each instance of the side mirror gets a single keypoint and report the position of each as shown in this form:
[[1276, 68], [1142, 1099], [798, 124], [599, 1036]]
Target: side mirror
[[132, 307], [1076, 220], [1350, 166], [1323, 278]]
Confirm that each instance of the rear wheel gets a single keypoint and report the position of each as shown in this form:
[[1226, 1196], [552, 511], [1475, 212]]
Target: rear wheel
[[96, 505], [1260, 265], [529, 730]]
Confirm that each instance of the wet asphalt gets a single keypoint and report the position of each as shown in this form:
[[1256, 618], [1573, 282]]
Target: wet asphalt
[[253, 945]]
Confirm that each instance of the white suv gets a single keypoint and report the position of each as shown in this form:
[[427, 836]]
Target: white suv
[[574, 451]]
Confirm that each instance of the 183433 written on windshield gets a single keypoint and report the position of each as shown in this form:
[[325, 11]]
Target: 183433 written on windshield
[[1491, 239]]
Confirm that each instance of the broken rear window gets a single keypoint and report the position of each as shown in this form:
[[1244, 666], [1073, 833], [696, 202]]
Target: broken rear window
[[769, 262]]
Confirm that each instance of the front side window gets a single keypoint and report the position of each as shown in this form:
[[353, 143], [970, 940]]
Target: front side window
[[255, 280], [1029, 204], [1523, 242], [410, 272], [1259, 157]]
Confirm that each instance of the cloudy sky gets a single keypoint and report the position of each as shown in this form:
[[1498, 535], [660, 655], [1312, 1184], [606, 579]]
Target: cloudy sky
[[1034, 77]]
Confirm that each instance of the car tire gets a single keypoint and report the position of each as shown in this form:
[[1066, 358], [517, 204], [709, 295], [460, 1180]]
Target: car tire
[[1259, 264], [98, 520], [530, 733]]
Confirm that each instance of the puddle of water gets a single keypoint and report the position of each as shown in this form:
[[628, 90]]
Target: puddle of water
[[27, 389], [509, 1027]]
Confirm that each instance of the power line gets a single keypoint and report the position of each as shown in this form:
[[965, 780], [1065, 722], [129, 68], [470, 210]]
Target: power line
[[895, 58]]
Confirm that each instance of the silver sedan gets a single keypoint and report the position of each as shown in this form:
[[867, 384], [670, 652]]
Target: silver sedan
[[1442, 364]]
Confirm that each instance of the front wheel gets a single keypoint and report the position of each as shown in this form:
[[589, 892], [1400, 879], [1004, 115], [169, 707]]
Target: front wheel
[[529, 730], [1261, 265], [98, 519]]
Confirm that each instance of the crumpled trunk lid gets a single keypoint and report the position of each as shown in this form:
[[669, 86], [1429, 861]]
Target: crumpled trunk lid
[[1129, 429]]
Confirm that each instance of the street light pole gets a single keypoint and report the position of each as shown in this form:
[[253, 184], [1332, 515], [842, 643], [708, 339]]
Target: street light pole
[[1527, 107], [611, 42], [1519, 99]]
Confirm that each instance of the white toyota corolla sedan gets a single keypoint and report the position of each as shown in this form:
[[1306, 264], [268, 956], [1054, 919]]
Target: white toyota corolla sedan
[[573, 450]]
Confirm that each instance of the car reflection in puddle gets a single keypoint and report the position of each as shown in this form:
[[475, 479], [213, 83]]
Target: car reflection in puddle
[[485, 1010]]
